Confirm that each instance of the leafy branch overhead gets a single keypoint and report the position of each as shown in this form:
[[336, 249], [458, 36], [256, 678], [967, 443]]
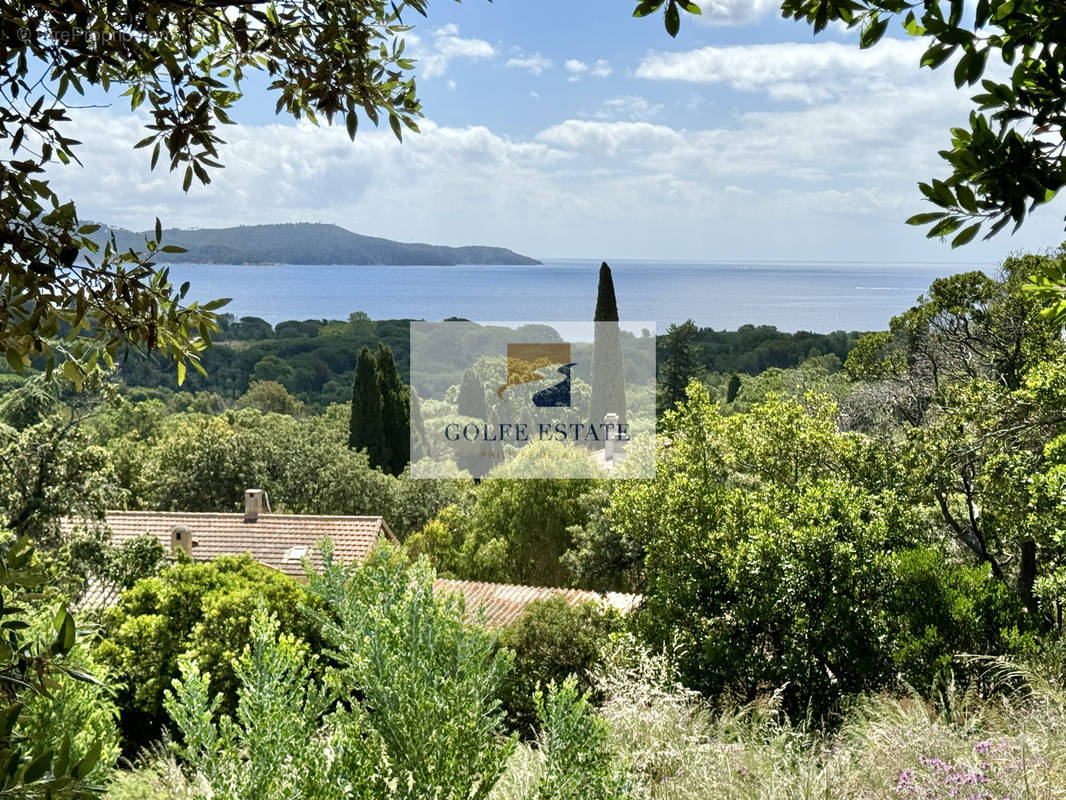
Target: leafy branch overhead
[[1008, 158], [66, 300]]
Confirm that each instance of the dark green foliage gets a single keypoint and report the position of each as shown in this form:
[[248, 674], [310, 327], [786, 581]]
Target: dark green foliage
[[606, 305], [732, 388], [200, 610], [679, 363], [35, 768], [380, 420], [608, 380], [943, 609], [552, 641], [472, 397], [367, 428]]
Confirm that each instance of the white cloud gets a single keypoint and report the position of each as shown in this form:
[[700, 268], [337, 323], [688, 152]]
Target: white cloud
[[601, 68], [575, 68], [445, 46], [732, 12], [535, 64], [628, 107], [808, 72], [831, 180]]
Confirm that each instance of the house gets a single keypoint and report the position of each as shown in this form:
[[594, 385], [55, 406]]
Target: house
[[284, 541]]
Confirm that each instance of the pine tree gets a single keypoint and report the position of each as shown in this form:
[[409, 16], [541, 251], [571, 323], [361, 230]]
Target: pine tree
[[680, 363], [608, 385]]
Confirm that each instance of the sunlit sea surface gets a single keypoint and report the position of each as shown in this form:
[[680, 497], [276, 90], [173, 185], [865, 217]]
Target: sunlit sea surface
[[819, 297]]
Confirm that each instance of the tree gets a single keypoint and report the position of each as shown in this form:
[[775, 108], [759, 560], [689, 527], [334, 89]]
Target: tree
[[680, 363], [192, 610], [381, 411], [972, 380], [767, 538], [41, 761], [608, 378], [367, 428], [552, 641], [732, 388], [270, 397], [422, 682], [396, 413], [188, 63], [472, 397]]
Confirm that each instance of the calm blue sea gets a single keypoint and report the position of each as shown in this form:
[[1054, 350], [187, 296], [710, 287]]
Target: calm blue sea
[[793, 296]]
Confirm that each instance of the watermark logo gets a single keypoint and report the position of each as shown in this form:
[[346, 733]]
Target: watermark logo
[[526, 363], [532, 400]]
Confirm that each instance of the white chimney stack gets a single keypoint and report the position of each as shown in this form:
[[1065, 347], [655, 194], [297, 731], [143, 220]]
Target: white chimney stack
[[611, 421], [253, 504], [181, 539]]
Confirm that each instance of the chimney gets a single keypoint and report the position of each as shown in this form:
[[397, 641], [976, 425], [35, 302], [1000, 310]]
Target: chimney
[[611, 428], [181, 539], [253, 504]]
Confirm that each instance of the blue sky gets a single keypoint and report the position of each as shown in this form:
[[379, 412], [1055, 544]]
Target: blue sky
[[566, 128]]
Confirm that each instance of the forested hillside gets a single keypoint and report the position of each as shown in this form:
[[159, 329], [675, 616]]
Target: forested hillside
[[303, 243]]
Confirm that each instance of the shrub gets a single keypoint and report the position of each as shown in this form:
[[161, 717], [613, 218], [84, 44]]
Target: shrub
[[197, 610], [552, 641], [419, 679], [942, 609]]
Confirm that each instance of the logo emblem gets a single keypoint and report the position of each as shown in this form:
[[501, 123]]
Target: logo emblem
[[528, 363]]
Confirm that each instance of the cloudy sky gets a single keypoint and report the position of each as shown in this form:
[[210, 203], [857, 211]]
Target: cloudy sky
[[566, 128]]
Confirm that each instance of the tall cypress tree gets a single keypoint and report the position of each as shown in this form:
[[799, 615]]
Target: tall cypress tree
[[396, 413], [366, 429], [608, 386], [472, 397]]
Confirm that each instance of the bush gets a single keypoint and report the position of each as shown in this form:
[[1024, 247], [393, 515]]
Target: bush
[[942, 609], [192, 610], [552, 641]]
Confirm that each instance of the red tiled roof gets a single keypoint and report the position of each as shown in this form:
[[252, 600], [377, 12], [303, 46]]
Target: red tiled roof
[[270, 540], [504, 603]]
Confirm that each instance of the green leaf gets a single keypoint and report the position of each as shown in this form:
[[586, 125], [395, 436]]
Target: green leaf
[[85, 766], [966, 235], [873, 32], [181, 373], [15, 360], [673, 19], [925, 219], [37, 767]]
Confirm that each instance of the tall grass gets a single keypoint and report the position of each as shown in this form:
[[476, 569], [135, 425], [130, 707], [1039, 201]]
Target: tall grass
[[1010, 743], [677, 747]]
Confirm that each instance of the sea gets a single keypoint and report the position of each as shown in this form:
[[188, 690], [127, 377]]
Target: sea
[[810, 296]]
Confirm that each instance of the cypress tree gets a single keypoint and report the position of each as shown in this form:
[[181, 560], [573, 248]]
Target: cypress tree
[[472, 397], [396, 413], [608, 386], [680, 363], [366, 428], [733, 388]]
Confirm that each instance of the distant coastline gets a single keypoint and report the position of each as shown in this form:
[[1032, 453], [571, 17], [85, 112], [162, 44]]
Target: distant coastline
[[306, 244]]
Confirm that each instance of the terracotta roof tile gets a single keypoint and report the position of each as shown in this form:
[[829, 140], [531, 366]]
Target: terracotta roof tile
[[275, 540], [504, 603], [278, 541]]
